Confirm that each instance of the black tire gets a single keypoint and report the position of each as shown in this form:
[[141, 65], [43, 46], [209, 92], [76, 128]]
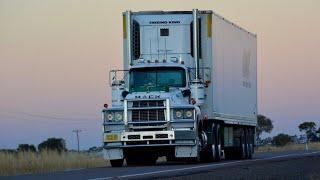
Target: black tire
[[250, 151], [246, 143], [116, 162], [217, 142], [250, 143], [206, 154], [241, 150]]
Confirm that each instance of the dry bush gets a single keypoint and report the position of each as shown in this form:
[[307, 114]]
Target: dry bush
[[46, 161], [288, 147]]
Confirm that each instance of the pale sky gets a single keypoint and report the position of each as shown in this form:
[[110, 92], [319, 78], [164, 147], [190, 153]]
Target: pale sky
[[55, 57]]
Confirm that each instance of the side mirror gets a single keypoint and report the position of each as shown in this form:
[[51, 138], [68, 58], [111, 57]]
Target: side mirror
[[186, 92], [124, 93]]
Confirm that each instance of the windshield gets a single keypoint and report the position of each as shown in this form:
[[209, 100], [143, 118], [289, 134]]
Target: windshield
[[157, 79]]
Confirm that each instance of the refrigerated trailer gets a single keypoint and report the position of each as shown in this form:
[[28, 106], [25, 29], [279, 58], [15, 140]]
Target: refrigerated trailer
[[187, 91]]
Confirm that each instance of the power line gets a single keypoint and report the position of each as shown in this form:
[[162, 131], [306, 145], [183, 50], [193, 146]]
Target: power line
[[44, 116], [41, 121], [77, 131], [53, 117]]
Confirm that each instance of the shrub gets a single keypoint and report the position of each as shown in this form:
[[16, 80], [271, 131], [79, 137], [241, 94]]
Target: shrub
[[54, 144], [26, 147], [281, 139]]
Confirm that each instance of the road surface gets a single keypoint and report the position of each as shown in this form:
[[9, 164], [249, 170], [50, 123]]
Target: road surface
[[276, 165]]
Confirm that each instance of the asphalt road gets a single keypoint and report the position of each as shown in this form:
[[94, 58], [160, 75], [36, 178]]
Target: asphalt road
[[276, 165]]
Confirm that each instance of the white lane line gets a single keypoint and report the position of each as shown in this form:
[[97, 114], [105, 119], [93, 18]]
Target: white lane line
[[205, 166], [68, 170]]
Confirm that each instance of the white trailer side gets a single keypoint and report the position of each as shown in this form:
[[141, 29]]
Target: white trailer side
[[234, 73]]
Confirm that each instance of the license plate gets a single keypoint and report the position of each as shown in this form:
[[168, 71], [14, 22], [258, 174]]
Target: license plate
[[111, 137]]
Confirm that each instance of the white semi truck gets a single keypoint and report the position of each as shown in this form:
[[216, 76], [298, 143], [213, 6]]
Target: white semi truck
[[188, 90]]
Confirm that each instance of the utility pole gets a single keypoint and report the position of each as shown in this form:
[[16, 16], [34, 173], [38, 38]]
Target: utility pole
[[77, 132]]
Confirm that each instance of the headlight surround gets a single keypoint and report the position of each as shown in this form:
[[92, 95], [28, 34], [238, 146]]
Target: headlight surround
[[113, 116], [183, 113]]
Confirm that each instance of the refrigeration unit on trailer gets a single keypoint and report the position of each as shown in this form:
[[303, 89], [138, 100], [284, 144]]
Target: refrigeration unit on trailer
[[187, 91]]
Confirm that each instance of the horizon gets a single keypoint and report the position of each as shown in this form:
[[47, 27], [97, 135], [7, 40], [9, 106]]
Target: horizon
[[55, 58]]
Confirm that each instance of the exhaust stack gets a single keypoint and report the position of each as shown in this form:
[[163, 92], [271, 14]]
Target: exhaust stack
[[196, 41], [128, 29]]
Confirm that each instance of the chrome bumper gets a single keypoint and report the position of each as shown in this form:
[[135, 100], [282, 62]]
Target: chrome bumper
[[149, 138]]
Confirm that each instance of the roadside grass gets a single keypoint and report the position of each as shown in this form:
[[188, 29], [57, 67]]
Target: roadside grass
[[46, 161], [288, 147], [49, 161]]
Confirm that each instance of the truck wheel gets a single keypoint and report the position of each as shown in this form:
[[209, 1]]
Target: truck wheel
[[250, 147], [251, 140], [246, 143], [217, 143], [241, 151], [116, 162], [208, 154]]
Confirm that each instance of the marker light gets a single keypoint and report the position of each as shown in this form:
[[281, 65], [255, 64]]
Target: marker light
[[193, 101]]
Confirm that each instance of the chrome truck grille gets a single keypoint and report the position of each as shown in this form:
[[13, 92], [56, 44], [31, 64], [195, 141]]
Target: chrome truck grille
[[154, 103], [147, 114]]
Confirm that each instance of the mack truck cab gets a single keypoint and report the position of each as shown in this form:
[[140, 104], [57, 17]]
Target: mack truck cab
[[163, 99]]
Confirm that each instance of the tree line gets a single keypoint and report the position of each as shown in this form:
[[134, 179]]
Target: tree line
[[265, 124], [51, 144]]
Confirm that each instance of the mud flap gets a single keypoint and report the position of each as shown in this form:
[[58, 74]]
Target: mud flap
[[186, 151], [112, 154]]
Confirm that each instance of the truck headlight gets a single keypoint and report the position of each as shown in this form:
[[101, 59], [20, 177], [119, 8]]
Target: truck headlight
[[178, 114], [118, 115], [110, 116], [188, 113]]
